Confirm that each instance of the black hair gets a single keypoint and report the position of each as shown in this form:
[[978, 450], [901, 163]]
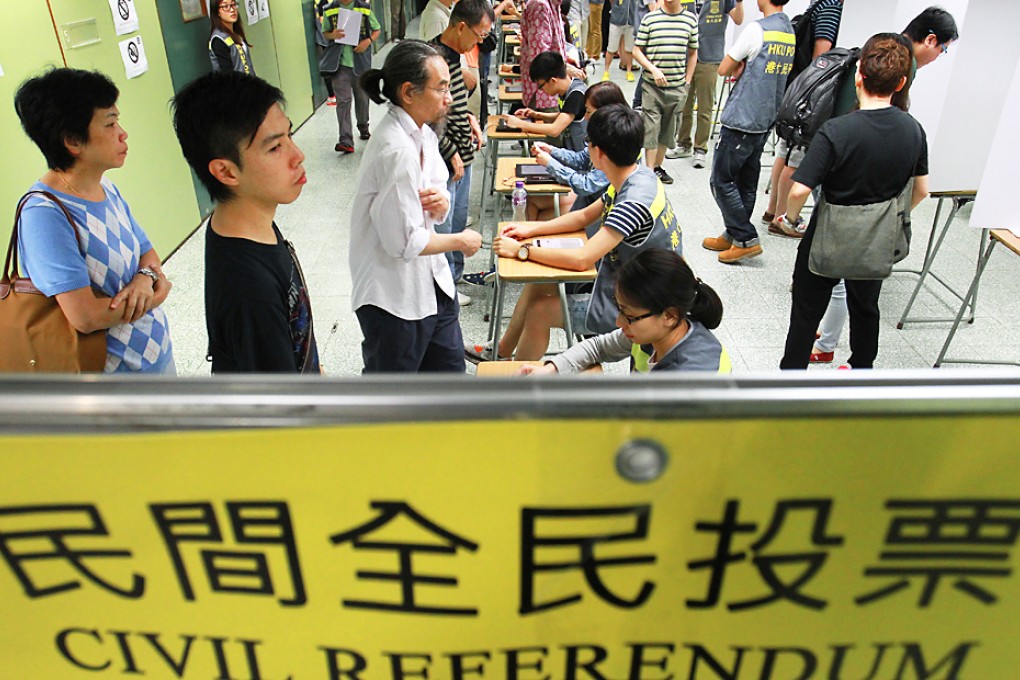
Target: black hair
[[933, 21], [236, 31], [603, 94], [214, 115], [58, 106], [471, 12], [658, 280], [407, 62], [779, 3], [617, 130], [546, 66]]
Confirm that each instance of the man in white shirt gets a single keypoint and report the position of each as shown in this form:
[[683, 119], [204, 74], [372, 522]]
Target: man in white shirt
[[434, 18], [403, 292]]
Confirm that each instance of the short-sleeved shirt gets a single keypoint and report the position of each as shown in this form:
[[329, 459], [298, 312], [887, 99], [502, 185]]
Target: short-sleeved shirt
[[665, 39], [113, 245], [712, 22], [621, 12], [347, 57], [825, 20], [865, 157], [257, 311], [632, 219]]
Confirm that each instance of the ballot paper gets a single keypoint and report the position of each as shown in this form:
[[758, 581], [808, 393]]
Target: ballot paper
[[349, 22], [559, 242]]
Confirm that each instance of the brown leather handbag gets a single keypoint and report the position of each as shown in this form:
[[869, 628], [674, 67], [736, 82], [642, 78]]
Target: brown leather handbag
[[35, 336]]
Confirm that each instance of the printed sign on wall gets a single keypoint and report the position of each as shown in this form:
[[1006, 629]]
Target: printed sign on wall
[[263, 9], [125, 18], [251, 10], [133, 53]]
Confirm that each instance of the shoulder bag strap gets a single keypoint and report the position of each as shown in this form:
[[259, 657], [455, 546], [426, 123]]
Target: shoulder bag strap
[[306, 363], [12, 247]]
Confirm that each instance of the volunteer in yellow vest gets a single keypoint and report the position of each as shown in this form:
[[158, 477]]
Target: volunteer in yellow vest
[[760, 59], [228, 48], [344, 64], [636, 216]]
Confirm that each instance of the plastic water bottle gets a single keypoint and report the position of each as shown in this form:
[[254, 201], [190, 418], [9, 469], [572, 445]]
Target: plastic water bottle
[[519, 198]]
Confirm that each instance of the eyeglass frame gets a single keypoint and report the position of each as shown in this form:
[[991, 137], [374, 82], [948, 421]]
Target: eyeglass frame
[[631, 320], [228, 6]]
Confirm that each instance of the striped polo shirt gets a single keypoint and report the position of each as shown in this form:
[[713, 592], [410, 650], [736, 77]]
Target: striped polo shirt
[[825, 20], [457, 135], [665, 39]]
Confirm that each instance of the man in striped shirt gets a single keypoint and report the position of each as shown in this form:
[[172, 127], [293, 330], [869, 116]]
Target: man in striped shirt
[[470, 23], [667, 48]]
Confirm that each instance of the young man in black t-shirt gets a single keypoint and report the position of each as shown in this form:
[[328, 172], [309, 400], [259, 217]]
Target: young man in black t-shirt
[[862, 158], [237, 139]]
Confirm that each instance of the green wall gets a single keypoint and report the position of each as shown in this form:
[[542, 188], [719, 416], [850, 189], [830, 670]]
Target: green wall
[[156, 181], [27, 44]]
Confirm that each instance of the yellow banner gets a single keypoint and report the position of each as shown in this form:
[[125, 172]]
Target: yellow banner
[[843, 549]]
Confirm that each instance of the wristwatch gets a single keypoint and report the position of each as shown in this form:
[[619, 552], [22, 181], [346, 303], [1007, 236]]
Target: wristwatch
[[524, 251], [145, 271]]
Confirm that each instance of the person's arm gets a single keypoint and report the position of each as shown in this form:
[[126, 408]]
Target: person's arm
[[653, 71], [795, 201], [731, 67], [577, 160], [574, 259], [574, 220], [366, 43], [920, 190], [737, 13], [553, 129], [748, 42], [221, 53], [396, 213], [608, 347], [692, 63], [583, 183], [822, 45]]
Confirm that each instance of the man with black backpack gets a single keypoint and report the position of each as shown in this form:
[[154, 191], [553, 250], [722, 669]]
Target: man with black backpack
[[817, 30]]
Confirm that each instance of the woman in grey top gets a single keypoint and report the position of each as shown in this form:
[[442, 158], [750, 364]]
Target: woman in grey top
[[664, 322]]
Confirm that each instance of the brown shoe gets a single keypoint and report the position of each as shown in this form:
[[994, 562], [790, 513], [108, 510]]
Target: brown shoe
[[716, 243], [735, 254]]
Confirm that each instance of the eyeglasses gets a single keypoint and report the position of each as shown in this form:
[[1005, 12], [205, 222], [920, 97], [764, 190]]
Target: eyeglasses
[[228, 6], [632, 319], [945, 48], [441, 90], [481, 36]]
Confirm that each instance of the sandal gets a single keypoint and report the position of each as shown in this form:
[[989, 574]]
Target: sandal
[[768, 218], [477, 353]]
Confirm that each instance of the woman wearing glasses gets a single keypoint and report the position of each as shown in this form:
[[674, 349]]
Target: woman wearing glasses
[[664, 322], [228, 48]]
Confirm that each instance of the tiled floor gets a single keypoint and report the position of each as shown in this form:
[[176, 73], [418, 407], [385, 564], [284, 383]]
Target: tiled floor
[[755, 293]]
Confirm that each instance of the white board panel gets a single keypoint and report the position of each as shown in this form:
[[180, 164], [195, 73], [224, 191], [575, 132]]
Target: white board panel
[[863, 19], [972, 107], [996, 206]]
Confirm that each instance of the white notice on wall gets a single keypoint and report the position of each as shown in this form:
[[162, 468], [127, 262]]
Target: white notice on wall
[[263, 9], [124, 16], [133, 53], [251, 10]]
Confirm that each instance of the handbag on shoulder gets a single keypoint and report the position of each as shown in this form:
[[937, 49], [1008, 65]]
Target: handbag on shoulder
[[861, 241], [35, 336]]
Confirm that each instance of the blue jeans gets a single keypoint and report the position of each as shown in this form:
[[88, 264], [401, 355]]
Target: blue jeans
[[456, 220], [736, 169]]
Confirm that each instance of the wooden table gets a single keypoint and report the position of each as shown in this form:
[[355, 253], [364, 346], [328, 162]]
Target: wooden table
[[506, 72], [506, 179], [995, 236], [492, 153], [508, 99], [502, 369], [959, 199], [511, 270]]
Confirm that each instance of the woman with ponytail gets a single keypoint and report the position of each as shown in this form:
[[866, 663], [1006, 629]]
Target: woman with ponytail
[[664, 322]]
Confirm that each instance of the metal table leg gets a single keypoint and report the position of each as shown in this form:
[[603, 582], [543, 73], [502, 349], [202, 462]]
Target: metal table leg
[[568, 326], [968, 299]]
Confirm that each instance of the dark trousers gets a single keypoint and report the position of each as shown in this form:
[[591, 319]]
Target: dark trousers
[[811, 295], [431, 345], [736, 169]]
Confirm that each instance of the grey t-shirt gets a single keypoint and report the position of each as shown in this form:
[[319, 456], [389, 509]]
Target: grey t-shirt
[[712, 22]]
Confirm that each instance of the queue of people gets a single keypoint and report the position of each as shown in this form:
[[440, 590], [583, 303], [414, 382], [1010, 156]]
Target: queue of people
[[409, 231]]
